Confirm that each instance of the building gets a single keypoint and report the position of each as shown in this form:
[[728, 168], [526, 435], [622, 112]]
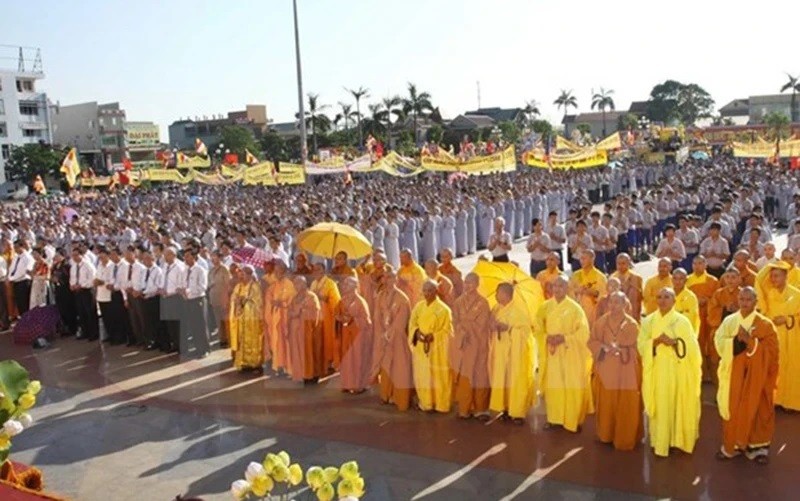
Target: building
[[182, 133], [498, 114], [753, 109], [469, 122], [595, 121], [101, 133], [24, 109]]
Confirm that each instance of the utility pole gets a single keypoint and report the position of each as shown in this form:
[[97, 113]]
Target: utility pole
[[479, 93], [303, 133]]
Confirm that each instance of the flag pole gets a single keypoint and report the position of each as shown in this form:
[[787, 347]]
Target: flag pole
[[303, 133]]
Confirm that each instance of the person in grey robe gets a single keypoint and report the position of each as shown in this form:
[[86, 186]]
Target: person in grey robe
[[447, 231], [527, 213], [519, 218], [377, 236], [485, 224], [508, 210], [391, 243], [409, 235], [462, 245], [430, 238], [472, 227]]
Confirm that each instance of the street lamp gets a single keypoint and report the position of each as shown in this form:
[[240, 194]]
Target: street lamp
[[302, 114]]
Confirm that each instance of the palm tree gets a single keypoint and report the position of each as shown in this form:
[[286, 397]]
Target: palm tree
[[530, 112], [794, 85], [391, 106], [566, 100], [416, 104], [346, 113], [777, 125], [602, 100], [357, 94], [317, 121]]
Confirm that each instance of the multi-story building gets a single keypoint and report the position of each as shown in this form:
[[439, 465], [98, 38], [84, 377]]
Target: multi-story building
[[183, 133], [24, 109], [753, 109]]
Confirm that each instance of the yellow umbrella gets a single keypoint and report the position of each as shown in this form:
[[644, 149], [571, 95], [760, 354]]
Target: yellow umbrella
[[526, 289], [328, 239]]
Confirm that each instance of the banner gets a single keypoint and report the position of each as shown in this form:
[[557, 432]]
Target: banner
[[787, 149], [504, 161], [565, 144], [612, 142], [184, 161], [589, 157]]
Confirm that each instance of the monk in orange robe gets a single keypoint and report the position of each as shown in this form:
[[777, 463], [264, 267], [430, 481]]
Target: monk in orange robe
[[748, 371], [370, 275], [410, 277], [444, 286], [354, 326], [549, 274], [704, 286], [391, 355], [617, 380], [471, 326], [631, 284], [276, 317], [451, 272], [301, 266], [741, 260], [327, 292], [341, 269], [305, 335]]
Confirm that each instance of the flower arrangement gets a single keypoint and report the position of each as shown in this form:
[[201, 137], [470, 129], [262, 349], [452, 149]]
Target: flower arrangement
[[278, 474], [17, 397]]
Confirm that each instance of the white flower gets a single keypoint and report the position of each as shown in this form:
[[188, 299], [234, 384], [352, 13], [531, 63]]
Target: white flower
[[240, 489], [13, 427], [348, 498], [254, 470], [26, 420]]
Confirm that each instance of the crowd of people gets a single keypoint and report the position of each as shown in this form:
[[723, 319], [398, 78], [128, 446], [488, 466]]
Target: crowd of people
[[163, 269]]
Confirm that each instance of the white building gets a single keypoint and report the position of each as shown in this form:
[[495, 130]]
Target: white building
[[24, 110]]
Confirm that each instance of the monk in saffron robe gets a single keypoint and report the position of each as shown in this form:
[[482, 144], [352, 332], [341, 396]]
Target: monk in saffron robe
[[587, 285], [654, 284], [341, 269], [630, 284], [513, 360], [391, 356], [246, 322], [567, 366], [685, 301], [471, 325], [354, 326], [703, 286], [763, 278], [410, 277], [451, 272], [276, 316], [370, 276], [741, 261], [782, 306], [617, 381], [724, 302], [748, 346], [549, 274], [429, 331], [327, 292], [671, 377], [305, 335], [444, 285], [603, 305]]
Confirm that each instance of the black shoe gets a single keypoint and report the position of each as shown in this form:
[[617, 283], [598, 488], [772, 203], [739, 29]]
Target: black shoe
[[150, 347]]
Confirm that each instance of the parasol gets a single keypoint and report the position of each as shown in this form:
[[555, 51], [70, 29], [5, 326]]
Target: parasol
[[328, 239], [526, 289], [253, 256]]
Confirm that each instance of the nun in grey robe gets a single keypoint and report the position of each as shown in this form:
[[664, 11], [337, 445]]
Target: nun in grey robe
[[377, 237], [472, 227], [485, 222], [447, 233], [508, 214], [391, 244], [409, 237], [462, 244], [519, 218], [430, 239]]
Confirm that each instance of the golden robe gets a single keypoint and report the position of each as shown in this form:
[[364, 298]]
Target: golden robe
[[687, 305], [704, 286], [671, 384], [409, 280], [355, 332], [513, 361], [565, 369], [651, 288], [431, 365], [305, 338], [593, 279], [328, 294], [276, 316], [763, 284], [786, 303], [246, 326], [546, 279], [631, 286]]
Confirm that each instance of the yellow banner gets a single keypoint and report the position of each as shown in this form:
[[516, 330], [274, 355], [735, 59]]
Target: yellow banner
[[581, 160], [504, 161], [763, 149], [612, 142], [290, 174], [563, 143], [185, 161], [160, 175]]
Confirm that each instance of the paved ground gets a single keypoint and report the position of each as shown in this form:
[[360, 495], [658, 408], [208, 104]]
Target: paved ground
[[119, 424]]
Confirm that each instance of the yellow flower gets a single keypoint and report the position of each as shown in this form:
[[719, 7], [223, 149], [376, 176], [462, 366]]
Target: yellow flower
[[284, 456], [295, 474], [345, 488], [270, 462], [7, 405], [358, 487], [26, 401], [349, 470], [5, 442], [325, 493], [315, 477], [331, 474], [262, 485], [280, 473], [34, 387]]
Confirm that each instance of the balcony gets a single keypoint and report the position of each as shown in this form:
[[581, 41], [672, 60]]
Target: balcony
[[32, 122]]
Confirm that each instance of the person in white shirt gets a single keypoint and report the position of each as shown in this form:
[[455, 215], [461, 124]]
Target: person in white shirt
[[19, 274], [172, 289], [148, 284], [539, 246], [276, 251], [558, 236], [769, 256], [129, 274], [105, 283], [716, 250], [671, 247], [499, 242], [81, 281], [119, 313], [194, 324]]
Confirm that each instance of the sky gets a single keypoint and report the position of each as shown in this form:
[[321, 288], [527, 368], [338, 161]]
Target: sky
[[167, 60]]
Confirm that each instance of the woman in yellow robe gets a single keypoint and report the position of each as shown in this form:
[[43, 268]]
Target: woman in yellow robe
[[671, 377], [245, 322], [561, 323]]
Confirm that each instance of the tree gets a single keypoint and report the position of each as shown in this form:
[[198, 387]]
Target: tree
[[274, 146], [391, 106], [794, 85], [529, 112], [542, 127], [435, 133], [777, 125], [358, 94], [509, 131], [315, 119], [345, 114], [602, 100], [675, 101], [627, 121], [374, 124], [27, 161], [566, 100], [237, 139], [584, 128], [416, 104]]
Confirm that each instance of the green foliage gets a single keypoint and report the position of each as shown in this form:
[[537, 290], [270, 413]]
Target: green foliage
[[542, 127], [509, 131], [566, 100], [29, 160], [777, 125], [627, 121], [237, 139], [674, 101], [435, 133], [405, 144], [274, 147], [584, 128]]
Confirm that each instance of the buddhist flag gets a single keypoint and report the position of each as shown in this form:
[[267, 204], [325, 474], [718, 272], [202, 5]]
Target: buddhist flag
[[71, 168], [127, 165], [249, 158], [200, 147]]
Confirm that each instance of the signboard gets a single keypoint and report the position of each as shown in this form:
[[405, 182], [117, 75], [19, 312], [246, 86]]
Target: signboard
[[142, 135]]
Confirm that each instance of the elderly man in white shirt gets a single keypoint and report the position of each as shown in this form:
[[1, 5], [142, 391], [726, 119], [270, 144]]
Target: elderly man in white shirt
[[194, 324], [104, 283], [129, 274], [19, 274], [500, 241], [82, 276], [148, 286], [172, 289]]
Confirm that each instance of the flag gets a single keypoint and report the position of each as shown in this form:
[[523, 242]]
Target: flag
[[182, 159], [126, 164], [200, 147], [231, 159], [249, 158], [71, 168]]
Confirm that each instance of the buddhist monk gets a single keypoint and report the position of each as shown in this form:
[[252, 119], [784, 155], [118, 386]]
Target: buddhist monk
[[603, 306], [306, 361], [513, 359], [410, 277], [354, 326], [741, 260], [703, 285], [630, 284], [763, 278], [246, 322], [782, 306], [444, 285], [276, 316], [328, 294], [724, 301], [370, 278], [471, 326], [341, 269], [685, 301], [301, 267], [655, 283], [567, 364], [549, 274], [391, 356], [671, 377], [617, 381], [451, 272], [748, 346], [429, 331], [587, 285]]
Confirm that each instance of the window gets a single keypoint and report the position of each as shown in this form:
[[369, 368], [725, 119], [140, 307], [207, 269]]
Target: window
[[6, 151], [2, 107], [113, 120], [3, 130], [28, 109], [24, 85], [91, 124], [31, 132]]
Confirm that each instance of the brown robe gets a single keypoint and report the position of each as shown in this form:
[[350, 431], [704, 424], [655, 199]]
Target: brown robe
[[454, 275], [631, 286], [470, 353], [705, 291], [306, 360], [723, 302], [354, 328], [391, 355]]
